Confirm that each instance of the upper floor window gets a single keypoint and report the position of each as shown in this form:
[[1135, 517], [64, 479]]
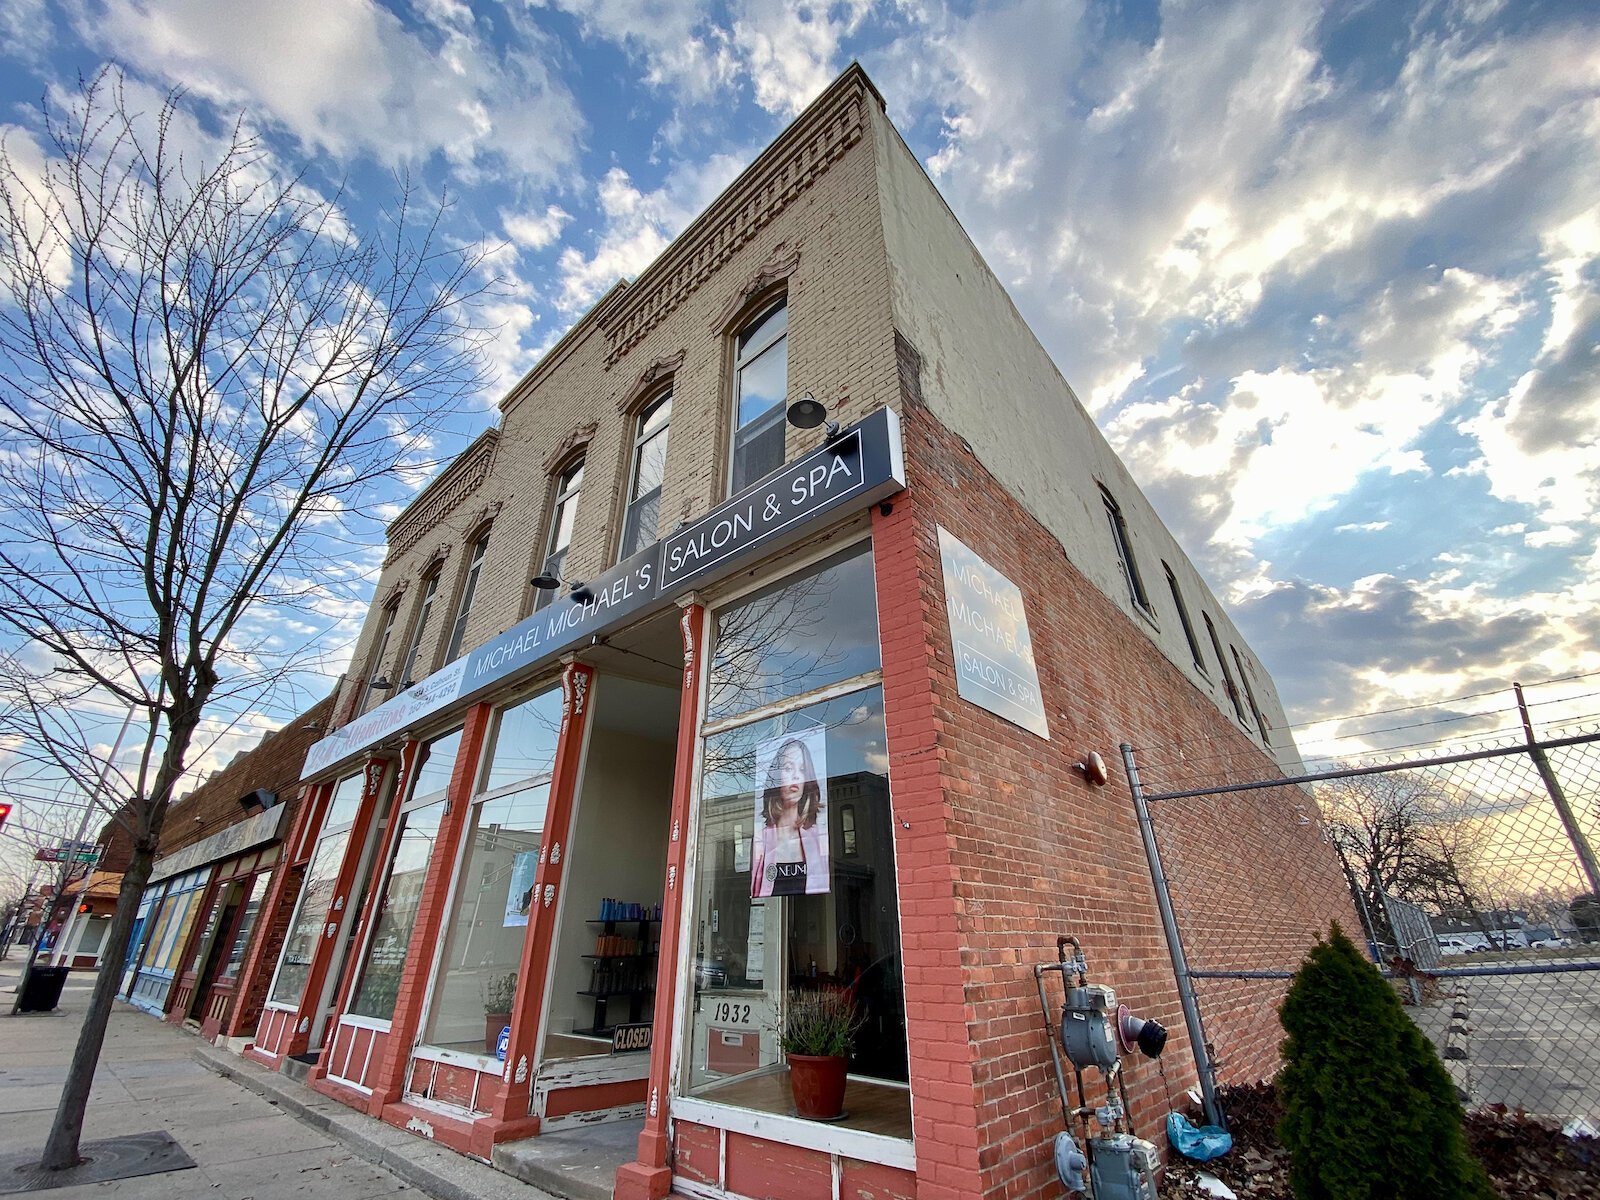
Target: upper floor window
[[1183, 619], [375, 665], [469, 587], [1228, 683], [640, 523], [562, 513], [760, 385], [430, 591], [1250, 692], [1119, 536]]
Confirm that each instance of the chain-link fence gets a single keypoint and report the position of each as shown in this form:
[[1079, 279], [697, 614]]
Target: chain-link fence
[[1471, 877]]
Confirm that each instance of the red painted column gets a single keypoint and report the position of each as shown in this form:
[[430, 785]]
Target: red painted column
[[388, 1080], [280, 898], [911, 612], [649, 1177], [380, 862], [334, 922], [577, 681]]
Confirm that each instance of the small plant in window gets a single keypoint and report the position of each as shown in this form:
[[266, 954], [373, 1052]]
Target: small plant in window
[[817, 1034], [499, 991]]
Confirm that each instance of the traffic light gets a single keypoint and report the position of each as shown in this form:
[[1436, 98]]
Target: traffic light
[[5, 811]]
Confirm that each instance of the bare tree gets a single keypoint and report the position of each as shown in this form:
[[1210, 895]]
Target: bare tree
[[1397, 833], [202, 372]]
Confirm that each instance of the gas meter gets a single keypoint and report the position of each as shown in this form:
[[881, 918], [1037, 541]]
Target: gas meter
[[1087, 1032]]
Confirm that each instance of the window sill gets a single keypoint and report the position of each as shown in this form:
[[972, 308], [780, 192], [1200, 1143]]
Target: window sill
[[795, 1131]]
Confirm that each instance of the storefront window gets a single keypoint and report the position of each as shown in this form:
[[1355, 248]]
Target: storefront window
[[316, 894], [379, 981], [795, 877], [247, 923], [484, 933], [795, 637], [305, 931]]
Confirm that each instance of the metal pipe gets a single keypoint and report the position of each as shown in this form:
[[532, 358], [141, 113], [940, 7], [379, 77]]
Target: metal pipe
[[1180, 964], [1382, 769], [1558, 797]]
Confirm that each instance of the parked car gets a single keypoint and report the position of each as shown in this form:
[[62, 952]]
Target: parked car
[[1550, 943]]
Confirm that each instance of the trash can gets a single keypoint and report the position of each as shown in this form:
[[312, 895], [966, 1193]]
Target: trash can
[[42, 990]]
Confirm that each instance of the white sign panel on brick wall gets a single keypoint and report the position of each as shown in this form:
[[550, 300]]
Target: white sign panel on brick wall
[[989, 634]]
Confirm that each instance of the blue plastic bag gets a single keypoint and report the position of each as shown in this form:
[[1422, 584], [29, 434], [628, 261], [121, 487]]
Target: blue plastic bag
[[1202, 1144]]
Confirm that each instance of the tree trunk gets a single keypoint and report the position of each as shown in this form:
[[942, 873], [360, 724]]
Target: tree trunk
[[61, 1149]]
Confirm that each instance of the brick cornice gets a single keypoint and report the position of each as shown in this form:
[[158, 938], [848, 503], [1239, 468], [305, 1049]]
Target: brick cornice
[[836, 121], [455, 484]]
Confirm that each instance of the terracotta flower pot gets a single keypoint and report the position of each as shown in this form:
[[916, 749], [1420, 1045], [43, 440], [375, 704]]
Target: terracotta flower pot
[[818, 1085]]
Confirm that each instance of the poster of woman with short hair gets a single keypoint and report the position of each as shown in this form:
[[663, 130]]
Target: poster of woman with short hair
[[789, 849]]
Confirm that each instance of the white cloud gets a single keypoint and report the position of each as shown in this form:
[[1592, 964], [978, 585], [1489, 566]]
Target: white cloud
[[535, 230], [787, 51], [345, 77], [1362, 527], [638, 226]]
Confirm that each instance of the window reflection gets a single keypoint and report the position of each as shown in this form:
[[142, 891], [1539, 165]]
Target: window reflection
[[796, 636]]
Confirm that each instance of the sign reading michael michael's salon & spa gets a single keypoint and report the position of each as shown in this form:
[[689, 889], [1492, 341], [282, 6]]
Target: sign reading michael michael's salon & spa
[[989, 633]]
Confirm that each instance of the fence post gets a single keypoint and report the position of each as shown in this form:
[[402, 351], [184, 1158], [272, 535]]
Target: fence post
[[1180, 964], [1553, 785]]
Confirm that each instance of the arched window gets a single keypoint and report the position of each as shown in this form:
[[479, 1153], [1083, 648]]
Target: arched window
[[469, 587], [430, 591], [375, 666], [760, 385], [563, 510], [640, 524]]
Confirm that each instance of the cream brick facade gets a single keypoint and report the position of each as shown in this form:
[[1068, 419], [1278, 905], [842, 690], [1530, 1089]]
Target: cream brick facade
[[838, 215]]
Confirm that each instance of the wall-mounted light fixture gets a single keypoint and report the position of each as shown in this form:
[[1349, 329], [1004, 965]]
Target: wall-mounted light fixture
[[808, 412], [380, 684], [578, 590]]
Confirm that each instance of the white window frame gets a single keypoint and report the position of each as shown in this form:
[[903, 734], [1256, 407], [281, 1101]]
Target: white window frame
[[743, 357], [430, 593], [643, 435], [569, 488], [469, 586]]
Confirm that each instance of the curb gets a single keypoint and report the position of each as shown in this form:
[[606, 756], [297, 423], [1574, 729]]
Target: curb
[[442, 1174]]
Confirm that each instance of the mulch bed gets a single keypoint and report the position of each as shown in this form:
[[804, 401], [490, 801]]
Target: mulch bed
[[1527, 1158]]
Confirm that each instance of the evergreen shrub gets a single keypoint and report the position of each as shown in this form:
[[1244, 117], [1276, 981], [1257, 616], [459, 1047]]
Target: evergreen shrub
[[1369, 1111]]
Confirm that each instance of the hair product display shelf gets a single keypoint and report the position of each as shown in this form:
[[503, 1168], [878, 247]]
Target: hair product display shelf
[[622, 972]]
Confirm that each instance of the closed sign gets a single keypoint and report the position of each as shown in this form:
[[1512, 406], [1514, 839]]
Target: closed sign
[[627, 1039]]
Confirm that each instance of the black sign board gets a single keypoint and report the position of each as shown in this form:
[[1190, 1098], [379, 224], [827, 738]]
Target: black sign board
[[858, 467]]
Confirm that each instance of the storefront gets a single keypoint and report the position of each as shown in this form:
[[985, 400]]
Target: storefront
[[196, 920], [529, 905], [817, 743]]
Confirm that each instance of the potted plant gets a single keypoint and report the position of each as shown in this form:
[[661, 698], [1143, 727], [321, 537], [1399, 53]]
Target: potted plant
[[818, 1032], [499, 993]]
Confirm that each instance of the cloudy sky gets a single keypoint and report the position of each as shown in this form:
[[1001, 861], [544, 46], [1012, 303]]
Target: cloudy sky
[[1327, 274]]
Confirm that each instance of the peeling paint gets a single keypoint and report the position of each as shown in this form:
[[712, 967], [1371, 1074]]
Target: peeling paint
[[418, 1125]]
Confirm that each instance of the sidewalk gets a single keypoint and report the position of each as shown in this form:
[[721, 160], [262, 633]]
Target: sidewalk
[[246, 1145]]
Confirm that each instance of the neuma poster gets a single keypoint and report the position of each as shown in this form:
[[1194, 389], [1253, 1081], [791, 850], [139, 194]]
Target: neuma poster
[[989, 633], [789, 847]]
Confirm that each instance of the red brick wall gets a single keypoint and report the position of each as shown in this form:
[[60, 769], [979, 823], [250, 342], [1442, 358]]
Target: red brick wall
[[1034, 850]]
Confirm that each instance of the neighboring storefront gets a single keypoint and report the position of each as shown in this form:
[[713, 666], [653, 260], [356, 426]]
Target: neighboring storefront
[[788, 709], [204, 912]]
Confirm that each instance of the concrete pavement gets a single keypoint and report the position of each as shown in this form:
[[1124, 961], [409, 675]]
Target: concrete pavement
[[246, 1146]]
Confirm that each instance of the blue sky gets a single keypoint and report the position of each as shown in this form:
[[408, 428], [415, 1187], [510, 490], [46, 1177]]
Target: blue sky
[[1327, 274]]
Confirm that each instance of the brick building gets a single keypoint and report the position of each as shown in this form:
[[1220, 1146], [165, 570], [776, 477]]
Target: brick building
[[564, 857], [202, 921]]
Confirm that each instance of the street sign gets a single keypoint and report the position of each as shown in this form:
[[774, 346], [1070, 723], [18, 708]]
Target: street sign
[[58, 854]]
